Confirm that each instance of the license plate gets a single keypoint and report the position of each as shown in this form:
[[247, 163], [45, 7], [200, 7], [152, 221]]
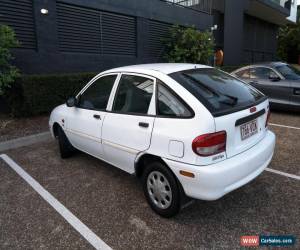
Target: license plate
[[248, 129]]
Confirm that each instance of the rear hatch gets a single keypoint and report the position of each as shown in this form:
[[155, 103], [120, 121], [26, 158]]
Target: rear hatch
[[244, 129], [238, 108]]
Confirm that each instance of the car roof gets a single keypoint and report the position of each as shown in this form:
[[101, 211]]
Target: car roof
[[166, 68], [262, 64], [270, 64]]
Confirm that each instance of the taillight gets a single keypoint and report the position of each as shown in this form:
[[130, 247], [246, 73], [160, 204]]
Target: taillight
[[210, 144], [268, 117]]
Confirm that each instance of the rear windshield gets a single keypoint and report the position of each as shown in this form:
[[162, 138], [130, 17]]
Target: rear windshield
[[289, 72], [219, 92]]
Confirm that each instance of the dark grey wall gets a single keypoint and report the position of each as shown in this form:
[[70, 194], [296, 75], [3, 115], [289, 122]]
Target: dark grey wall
[[260, 40], [219, 33], [48, 57], [244, 38], [233, 31]]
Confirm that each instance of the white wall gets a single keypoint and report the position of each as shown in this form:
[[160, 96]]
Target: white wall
[[293, 16]]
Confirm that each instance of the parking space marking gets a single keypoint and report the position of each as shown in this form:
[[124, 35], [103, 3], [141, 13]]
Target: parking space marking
[[283, 126], [81, 228], [283, 173]]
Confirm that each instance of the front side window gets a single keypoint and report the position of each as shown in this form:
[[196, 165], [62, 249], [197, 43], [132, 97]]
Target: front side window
[[96, 96], [169, 105], [219, 92], [133, 95], [260, 73]]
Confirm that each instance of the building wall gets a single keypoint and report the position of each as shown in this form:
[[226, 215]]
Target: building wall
[[233, 31], [243, 37], [293, 16], [260, 40], [82, 36]]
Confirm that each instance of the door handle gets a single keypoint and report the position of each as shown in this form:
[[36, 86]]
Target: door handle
[[253, 82], [143, 124], [98, 117], [296, 91]]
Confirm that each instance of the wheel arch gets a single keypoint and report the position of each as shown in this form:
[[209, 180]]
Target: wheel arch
[[55, 128], [145, 159]]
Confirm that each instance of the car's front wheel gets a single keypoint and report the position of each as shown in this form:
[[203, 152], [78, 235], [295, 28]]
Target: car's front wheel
[[65, 147], [161, 189]]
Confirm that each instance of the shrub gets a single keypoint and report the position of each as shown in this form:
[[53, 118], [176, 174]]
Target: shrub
[[289, 43], [38, 94], [8, 73], [188, 45]]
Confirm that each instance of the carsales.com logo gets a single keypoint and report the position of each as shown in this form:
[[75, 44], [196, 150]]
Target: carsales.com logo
[[262, 240]]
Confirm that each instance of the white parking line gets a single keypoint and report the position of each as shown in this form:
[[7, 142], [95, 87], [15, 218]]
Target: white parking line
[[283, 126], [90, 236], [283, 173]]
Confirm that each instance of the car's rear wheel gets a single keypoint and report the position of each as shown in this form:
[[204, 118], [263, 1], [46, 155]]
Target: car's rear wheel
[[65, 147], [161, 189]]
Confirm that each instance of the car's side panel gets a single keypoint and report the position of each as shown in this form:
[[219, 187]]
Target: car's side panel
[[84, 130], [166, 131], [57, 116], [277, 91], [123, 138], [295, 96]]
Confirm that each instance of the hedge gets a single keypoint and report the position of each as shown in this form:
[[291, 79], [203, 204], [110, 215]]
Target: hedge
[[39, 94]]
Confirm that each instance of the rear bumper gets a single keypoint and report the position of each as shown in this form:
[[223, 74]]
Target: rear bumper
[[214, 181]]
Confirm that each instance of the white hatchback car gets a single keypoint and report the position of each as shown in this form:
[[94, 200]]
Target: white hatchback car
[[184, 129]]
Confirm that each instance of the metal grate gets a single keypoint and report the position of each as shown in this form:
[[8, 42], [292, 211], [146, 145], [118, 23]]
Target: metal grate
[[18, 14], [157, 32], [118, 34], [78, 29], [86, 30]]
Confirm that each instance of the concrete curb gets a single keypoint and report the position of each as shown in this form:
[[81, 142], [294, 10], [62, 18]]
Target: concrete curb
[[24, 141]]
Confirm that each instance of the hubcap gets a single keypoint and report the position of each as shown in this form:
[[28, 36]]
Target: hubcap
[[159, 189]]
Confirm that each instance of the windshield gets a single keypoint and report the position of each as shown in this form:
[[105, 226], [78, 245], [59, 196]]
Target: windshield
[[289, 72], [218, 91]]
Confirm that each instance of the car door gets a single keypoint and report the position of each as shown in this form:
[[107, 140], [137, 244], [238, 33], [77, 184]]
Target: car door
[[128, 127], [85, 120], [292, 75], [295, 89], [271, 84]]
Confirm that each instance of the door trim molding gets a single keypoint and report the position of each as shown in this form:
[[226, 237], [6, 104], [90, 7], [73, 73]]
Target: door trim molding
[[84, 135], [118, 146]]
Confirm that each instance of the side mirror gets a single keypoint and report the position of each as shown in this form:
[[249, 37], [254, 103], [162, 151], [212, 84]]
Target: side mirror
[[71, 102]]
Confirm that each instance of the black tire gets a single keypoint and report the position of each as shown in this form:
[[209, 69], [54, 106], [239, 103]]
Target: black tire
[[65, 147], [175, 202]]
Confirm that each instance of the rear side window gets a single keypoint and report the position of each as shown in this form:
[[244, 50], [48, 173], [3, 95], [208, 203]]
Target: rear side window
[[133, 95], [169, 105], [219, 92], [245, 73]]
